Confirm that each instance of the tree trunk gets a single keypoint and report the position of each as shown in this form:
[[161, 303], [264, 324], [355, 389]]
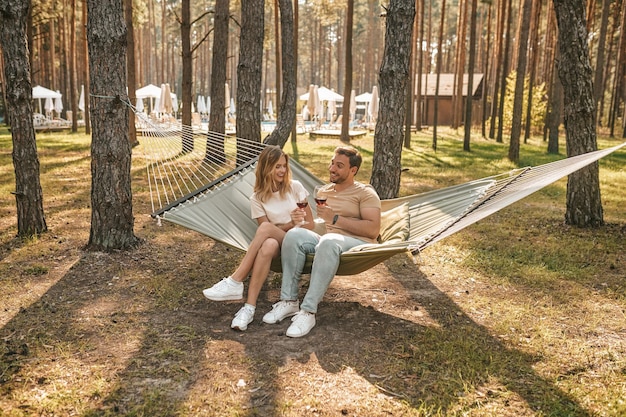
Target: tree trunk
[[28, 194], [72, 70], [457, 101], [111, 195], [130, 65], [287, 114], [600, 64], [420, 67], [410, 91], [217, 118], [497, 67], [187, 79], [438, 81], [486, 78], [620, 70], [85, 65], [518, 99], [470, 80], [555, 115], [249, 74], [393, 81], [534, 45], [347, 86], [277, 48], [584, 206], [505, 72]]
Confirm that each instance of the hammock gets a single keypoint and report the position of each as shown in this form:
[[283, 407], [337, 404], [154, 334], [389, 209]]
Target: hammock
[[203, 181]]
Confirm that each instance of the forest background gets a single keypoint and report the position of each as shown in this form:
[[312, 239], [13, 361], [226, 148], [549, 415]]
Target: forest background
[[57, 39]]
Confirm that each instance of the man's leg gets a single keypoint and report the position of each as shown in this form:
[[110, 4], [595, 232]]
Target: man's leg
[[298, 242], [325, 264]]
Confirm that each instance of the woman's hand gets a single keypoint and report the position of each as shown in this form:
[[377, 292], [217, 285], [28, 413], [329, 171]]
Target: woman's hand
[[297, 215]]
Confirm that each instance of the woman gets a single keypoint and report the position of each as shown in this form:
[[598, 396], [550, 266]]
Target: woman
[[274, 207]]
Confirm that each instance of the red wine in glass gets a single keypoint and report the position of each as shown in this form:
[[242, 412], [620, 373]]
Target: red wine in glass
[[302, 204], [320, 201]]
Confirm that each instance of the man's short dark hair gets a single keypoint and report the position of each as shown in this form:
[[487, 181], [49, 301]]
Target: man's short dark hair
[[352, 153]]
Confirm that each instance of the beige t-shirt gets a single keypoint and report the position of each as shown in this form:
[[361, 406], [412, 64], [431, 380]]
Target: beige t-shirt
[[277, 208], [349, 203]]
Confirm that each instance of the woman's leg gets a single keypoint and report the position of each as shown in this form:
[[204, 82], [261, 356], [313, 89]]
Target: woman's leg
[[265, 231], [268, 251]]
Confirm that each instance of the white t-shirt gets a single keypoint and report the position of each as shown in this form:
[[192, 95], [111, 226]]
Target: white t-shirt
[[277, 209]]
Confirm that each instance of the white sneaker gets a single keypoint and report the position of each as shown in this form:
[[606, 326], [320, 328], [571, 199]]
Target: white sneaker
[[244, 316], [281, 310], [302, 324], [226, 289]]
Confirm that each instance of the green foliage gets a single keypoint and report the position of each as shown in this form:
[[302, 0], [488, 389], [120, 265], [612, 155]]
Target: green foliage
[[539, 104]]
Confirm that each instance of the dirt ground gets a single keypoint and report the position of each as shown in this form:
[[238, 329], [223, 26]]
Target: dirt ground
[[94, 334]]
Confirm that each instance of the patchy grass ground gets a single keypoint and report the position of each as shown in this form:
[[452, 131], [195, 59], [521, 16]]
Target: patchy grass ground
[[518, 315]]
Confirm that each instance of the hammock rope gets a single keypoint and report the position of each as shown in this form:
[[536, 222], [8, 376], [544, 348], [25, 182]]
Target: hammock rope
[[203, 181]]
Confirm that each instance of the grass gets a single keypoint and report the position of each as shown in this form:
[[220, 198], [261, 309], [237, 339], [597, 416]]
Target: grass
[[517, 315]]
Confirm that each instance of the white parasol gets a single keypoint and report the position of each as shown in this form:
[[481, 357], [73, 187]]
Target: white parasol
[[81, 100], [373, 108]]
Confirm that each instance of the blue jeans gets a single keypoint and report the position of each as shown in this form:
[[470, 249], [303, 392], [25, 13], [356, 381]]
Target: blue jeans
[[298, 242]]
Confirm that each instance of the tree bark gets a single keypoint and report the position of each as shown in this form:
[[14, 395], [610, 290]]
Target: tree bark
[[470, 79], [28, 193], [217, 118], [111, 196], [505, 71], [249, 74], [438, 80], [393, 81], [518, 99], [130, 64], [87, 114], [287, 114], [584, 207], [347, 86], [187, 79]]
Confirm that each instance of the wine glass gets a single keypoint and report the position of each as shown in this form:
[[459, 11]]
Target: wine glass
[[319, 194], [302, 202]]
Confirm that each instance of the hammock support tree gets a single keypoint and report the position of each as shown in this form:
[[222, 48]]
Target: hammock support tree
[[192, 190]]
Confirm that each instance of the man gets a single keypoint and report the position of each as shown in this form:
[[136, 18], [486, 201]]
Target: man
[[352, 216]]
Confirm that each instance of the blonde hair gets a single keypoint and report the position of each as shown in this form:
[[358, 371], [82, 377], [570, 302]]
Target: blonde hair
[[265, 184]]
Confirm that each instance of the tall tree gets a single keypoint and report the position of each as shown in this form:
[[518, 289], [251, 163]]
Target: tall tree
[[85, 69], [111, 196], [249, 71], [72, 69], [28, 193], [185, 39], [518, 99], [505, 71], [600, 64], [584, 207], [130, 66], [347, 86], [287, 113], [439, 69], [217, 118], [620, 70], [393, 81], [470, 78]]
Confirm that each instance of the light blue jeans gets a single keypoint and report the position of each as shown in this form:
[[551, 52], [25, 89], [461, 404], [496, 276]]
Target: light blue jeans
[[298, 242]]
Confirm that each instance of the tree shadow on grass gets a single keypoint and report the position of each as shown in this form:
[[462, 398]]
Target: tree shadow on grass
[[134, 336]]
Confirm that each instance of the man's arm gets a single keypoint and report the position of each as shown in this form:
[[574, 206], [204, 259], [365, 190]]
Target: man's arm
[[368, 226]]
